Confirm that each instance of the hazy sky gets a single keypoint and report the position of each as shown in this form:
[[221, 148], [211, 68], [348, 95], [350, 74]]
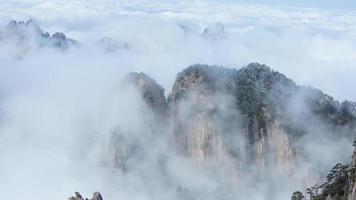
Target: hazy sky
[[315, 47], [325, 4]]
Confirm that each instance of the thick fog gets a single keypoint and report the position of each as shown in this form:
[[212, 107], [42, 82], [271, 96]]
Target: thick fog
[[60, 108]]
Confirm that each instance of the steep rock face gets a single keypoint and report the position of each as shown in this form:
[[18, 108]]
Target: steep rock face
[[261, 95], [219, 112], [240, 118], [122, 146], [152, 93], [197, 102], [244, 115]]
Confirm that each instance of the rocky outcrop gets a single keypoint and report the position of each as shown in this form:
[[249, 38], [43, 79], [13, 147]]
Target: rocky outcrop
[[97, 196], [152, 93], [25, 35], [59, 40], [78, 196]]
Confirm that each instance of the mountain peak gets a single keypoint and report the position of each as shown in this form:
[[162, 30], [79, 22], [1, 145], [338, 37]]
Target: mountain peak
[[152, 93], [29, 34]]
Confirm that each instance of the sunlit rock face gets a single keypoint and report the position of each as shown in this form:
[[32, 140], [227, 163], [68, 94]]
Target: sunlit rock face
[[203, 111], [275, 149]]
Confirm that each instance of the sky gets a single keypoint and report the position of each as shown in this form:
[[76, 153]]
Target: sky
[[348, 5]]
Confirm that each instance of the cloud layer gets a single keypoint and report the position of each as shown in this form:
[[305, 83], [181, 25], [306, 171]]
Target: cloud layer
[[62, 106]]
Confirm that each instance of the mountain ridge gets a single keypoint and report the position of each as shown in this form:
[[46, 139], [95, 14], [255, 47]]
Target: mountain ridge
[[258, 103]]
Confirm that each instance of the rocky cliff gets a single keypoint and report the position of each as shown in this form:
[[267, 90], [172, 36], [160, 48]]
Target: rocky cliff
[[245, 115], [246, 123], [242, 117]]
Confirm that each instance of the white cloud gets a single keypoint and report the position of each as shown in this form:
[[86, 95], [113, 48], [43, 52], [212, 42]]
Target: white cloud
[[51, 100], [298, 42]]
